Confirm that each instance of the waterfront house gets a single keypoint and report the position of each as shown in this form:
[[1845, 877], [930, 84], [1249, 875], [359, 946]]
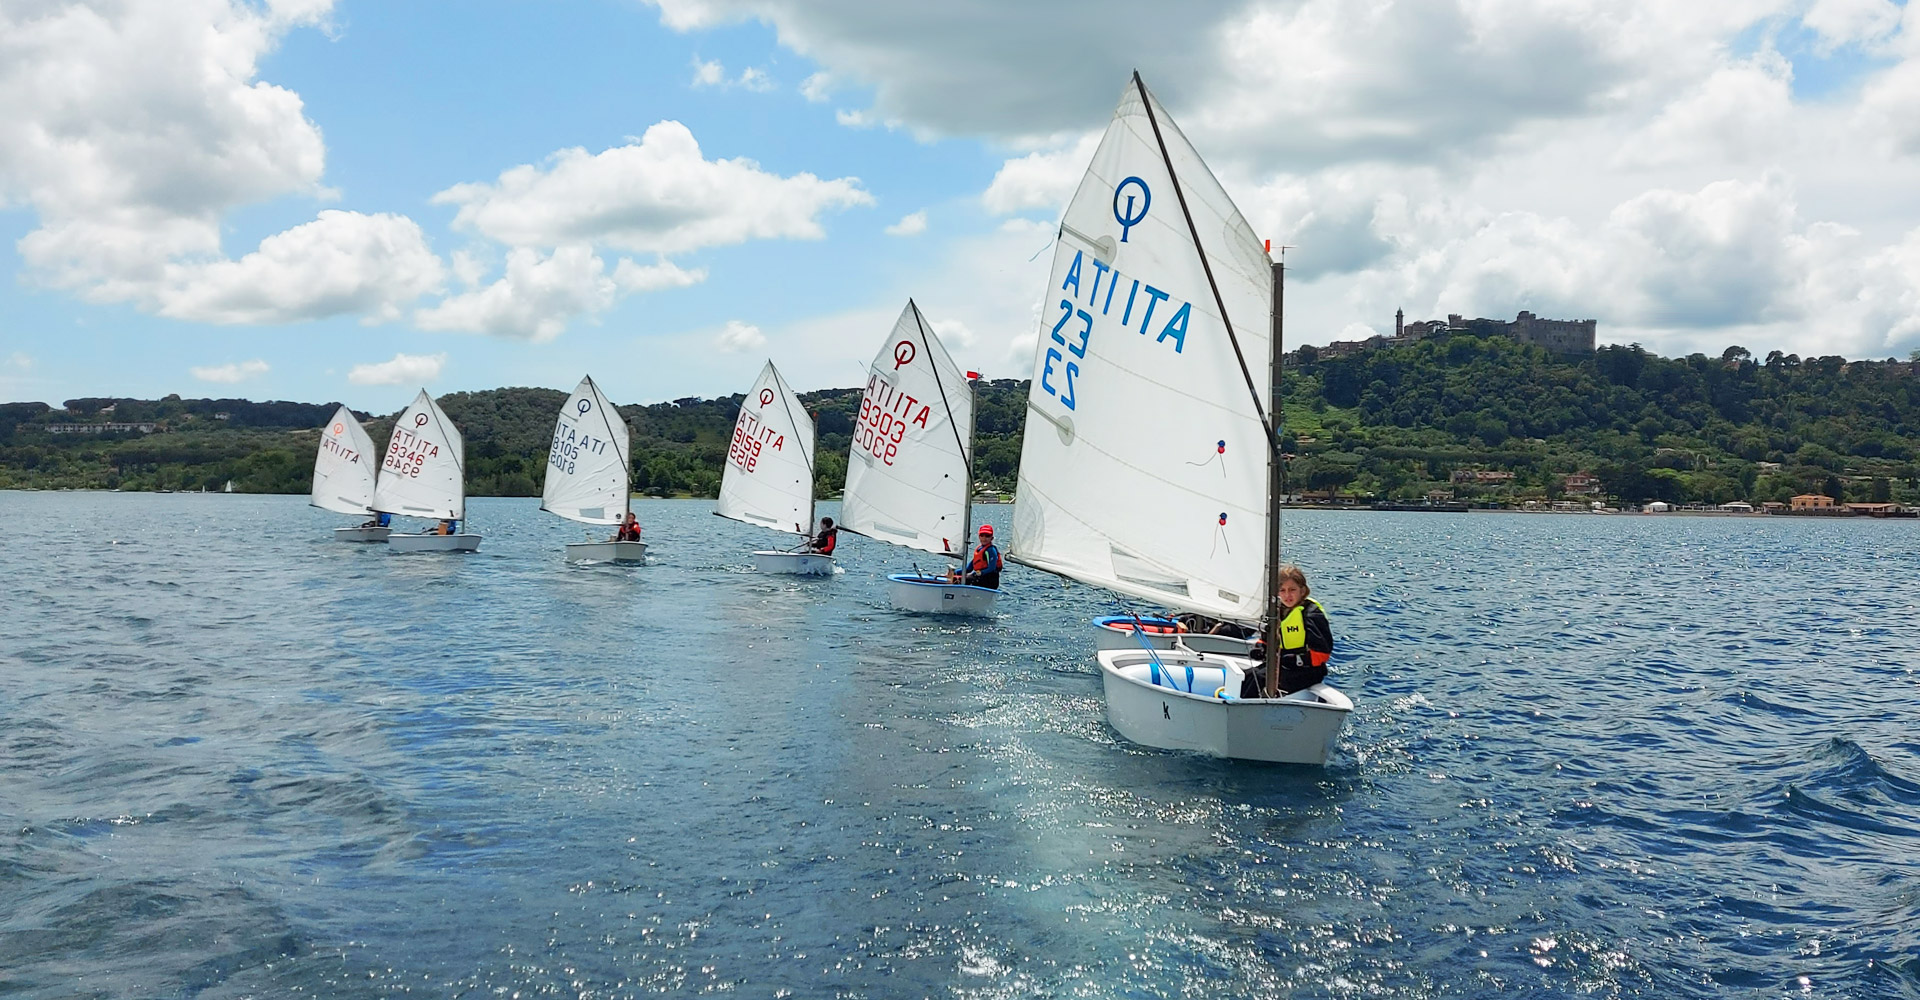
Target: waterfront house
[[1812, 501]]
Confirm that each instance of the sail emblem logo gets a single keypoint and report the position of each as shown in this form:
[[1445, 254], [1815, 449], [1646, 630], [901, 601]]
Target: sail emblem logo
[[766, 396], [902, 354], [419, 420], [1127, 217], [584, 405], [339, 428]]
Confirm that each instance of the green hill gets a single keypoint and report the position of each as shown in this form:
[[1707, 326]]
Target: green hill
[[1395, 423], [191, 444]]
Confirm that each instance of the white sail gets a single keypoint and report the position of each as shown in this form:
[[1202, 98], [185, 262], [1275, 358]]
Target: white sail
[[769, 474], [1144, 464], [343, 471], [587, 463], [907, 475], [424, 473]]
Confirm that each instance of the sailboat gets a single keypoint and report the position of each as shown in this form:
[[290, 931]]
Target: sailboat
[[1150, 461], [424, 475], [587, 473], [769, 474], [910, 473], [343, 476]]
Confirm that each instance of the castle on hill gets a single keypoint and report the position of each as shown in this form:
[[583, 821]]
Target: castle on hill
[[1561, 336]]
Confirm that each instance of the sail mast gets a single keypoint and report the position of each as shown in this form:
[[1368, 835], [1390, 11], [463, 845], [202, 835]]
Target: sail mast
[[1275, 470], [966, 505]]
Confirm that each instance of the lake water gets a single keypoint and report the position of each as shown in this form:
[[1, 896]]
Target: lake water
[[1592, 756]]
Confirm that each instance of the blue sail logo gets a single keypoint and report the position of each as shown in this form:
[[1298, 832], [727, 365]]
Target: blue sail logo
[[1127, 217]]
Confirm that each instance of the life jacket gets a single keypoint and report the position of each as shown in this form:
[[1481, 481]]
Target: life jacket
[[827, 540], [981, 564], [1293, 633]]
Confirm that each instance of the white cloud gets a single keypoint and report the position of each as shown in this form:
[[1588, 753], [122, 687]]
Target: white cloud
[[708, 73], [1738, 113], [737, 337], [953, 333], [231, 372], [402, 369], [132, 129], [1845, 22], [755, 79], [817, 88], [533, 300], [711, 73], [659, 195], [340, 263], [854, 119], [1041, 180], [912, 224], [20, 361]]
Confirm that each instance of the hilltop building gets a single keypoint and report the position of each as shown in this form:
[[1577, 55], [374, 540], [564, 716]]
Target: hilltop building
[[1561, 336]]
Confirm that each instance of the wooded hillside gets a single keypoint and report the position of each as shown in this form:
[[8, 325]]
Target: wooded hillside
[[1396, 423]]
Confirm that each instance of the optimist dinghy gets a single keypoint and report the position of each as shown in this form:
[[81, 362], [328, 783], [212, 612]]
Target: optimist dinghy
[[1150, 461], [1127, 632], [343, 476], [587, 470], [768, 479], [424, 475], [910, 472]]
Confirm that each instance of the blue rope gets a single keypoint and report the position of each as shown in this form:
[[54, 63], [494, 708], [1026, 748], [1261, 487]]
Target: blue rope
[[1140, 633]]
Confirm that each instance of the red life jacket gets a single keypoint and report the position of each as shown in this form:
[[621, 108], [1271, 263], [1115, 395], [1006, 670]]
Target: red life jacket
[[827, 540]]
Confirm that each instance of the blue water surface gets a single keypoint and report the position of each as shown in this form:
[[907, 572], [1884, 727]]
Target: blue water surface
[[1591, 756]]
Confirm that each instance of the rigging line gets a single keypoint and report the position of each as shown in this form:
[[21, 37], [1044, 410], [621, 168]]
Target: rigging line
[[626, 461], [1273, 441], [952, 424], [786, 394]]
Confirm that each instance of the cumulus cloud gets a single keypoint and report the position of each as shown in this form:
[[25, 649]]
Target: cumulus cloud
[[341, 263], [817, 88], [533, 300], [232, 372], [1737, 113], [133, 128], [912, 224], [1040, 180], [401, 369], [659, 195], [737, 337]]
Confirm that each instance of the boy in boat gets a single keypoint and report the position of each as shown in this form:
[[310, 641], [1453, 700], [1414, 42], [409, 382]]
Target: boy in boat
[[380, 520], [448, 526], [1306, 640], [824, 542], [983, 570], [629, 529]]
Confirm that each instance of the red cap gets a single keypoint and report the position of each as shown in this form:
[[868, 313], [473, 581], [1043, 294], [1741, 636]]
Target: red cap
[[986, 529]]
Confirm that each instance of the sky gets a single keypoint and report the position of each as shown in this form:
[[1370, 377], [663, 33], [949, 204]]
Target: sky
[[347, 200]]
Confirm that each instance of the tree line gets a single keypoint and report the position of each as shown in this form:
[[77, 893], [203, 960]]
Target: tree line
[[1392, 423]]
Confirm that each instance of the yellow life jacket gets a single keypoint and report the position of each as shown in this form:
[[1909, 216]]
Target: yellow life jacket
[[1293, 626]]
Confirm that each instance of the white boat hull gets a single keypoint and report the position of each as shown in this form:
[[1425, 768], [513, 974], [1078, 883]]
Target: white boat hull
[[1119, 633], [934, 595], [611, 552], [1297, 729], [433, 543], [361, 534], [793, 563]]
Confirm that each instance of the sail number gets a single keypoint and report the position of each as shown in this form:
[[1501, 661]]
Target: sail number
[[407, 453], [1094, 290], [885, 415], [750, 437], [569, 444]]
